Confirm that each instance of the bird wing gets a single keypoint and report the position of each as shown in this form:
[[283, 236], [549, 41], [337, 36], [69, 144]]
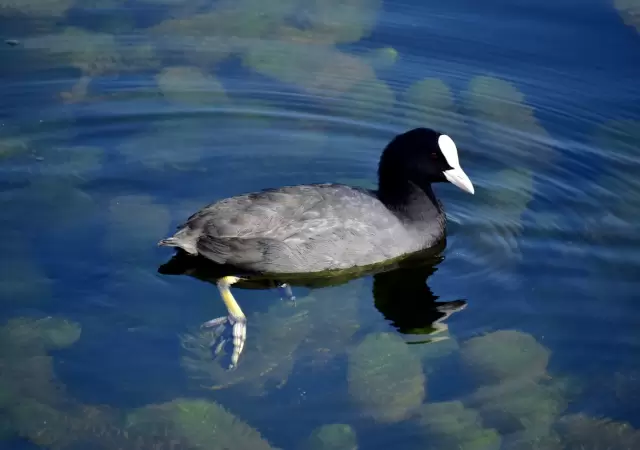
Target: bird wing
[[279, 228]]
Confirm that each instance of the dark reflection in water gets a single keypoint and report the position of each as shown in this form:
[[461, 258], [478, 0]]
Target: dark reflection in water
[[400, 290], [404, 297]]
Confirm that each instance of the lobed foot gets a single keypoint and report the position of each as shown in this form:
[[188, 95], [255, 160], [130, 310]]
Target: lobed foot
[[235, 321], [286, 293], [228, 328]]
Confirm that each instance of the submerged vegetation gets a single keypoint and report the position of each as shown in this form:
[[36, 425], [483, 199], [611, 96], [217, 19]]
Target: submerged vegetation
[[316, 327], [385, 378], [523, 411], [336, 436], [629, 10], [506, 127], [37, 8], [195, 423], [177, 144], [581, 432], [11, 145], [40, 410], [612, 233], [432, 101], [47, 332], [22, 281], [178, 69], [451, 425], [190, 85], [504, 355], [496, 106], [516, 395], [269, 354]]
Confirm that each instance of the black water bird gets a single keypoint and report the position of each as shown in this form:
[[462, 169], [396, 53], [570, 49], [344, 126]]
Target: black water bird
[[326, 229]]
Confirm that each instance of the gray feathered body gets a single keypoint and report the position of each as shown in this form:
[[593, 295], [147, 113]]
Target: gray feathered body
[[308, 228]]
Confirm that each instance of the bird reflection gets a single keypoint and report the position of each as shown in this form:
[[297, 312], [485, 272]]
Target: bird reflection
[[400, 290], [405, 299]]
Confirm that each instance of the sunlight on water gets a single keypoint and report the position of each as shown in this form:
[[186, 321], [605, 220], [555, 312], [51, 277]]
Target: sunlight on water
[[120, 119]]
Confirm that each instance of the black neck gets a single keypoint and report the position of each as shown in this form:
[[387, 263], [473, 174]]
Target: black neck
[[405, 198]]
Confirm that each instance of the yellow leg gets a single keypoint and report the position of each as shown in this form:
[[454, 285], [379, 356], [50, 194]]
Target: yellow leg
[[236, 319], [227, 297]]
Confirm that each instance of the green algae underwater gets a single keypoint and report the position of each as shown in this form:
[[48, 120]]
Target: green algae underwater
[[121, 118]]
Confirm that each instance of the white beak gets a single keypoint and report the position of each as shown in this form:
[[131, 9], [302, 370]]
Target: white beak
[[459, 178]]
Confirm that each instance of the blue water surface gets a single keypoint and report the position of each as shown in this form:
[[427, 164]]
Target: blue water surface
[[119, 119]]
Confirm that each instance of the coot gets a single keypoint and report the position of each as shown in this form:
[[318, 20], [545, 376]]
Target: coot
[[324, 227]]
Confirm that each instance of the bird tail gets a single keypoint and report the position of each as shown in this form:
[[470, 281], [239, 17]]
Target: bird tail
[[169, 242], [182, 239]]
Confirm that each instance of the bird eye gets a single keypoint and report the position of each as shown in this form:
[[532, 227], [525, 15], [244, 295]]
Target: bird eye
[[434, 155]]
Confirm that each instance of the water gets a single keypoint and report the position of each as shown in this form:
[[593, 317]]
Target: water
[[120, 119]]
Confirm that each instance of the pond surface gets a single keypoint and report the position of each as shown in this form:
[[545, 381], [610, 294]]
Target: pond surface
[[120, 118]]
